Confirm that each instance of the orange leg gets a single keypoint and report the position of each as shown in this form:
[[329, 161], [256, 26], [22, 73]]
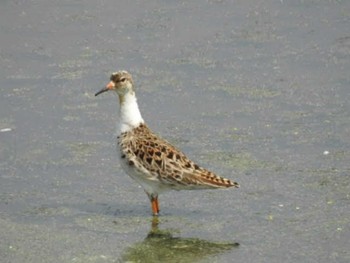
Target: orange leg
[[155, 205]]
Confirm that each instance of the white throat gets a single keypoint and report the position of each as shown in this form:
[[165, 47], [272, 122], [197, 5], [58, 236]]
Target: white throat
[[130, 116]]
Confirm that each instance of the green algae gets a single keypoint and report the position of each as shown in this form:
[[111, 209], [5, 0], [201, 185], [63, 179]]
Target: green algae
[[164, 80], [238, 161], [74, 68], [242, 135], [78, 152], [61, 152], [102, 223], [251, 92], [195, 60], [45, 211]]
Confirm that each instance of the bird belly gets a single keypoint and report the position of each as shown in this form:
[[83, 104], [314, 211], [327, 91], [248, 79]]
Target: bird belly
[[149, 182]]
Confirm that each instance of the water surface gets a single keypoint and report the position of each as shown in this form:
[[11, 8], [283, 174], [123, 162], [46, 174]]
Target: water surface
[[257, 92]]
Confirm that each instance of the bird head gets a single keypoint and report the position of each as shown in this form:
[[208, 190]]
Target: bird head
[[120, 82]]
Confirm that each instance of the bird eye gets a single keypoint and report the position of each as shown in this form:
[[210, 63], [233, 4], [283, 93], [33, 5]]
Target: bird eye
[[122, 79]]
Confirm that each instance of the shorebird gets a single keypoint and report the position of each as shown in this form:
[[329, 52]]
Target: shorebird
[[151, 161]]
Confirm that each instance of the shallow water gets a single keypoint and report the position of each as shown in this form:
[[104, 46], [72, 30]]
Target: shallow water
[[257, 92]]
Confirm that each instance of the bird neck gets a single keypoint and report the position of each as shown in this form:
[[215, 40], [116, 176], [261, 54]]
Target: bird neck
[[130, 116]]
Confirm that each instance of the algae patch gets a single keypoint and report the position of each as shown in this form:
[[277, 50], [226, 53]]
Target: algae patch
[[251, 92], [238, 161], [59, 153]]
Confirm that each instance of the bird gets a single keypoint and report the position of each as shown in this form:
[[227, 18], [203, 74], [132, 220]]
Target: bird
[[150, 160]]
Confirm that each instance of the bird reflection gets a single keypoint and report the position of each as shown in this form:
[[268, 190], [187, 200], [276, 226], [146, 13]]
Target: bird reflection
[[160, 245]]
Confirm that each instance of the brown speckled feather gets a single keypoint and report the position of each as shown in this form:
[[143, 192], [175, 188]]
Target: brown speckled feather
[[146, 151]]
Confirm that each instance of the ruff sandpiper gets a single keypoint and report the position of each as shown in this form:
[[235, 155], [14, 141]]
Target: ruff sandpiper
[[151, 161]]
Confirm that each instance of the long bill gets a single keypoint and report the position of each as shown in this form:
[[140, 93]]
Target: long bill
[[101, 91], [109, 86]]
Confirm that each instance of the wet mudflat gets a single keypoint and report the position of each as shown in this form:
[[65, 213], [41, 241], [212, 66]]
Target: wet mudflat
[[257, 92]]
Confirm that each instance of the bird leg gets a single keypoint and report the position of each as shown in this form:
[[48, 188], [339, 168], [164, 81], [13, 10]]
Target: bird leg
[[155, 204]]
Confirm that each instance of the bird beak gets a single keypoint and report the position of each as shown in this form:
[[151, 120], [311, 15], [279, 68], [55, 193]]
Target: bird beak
[[108, 87]]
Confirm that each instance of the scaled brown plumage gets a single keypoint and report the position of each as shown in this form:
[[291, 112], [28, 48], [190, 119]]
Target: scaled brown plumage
[[148, 151]]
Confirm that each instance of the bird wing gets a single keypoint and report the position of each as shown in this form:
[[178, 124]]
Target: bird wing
[[169, 164]]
